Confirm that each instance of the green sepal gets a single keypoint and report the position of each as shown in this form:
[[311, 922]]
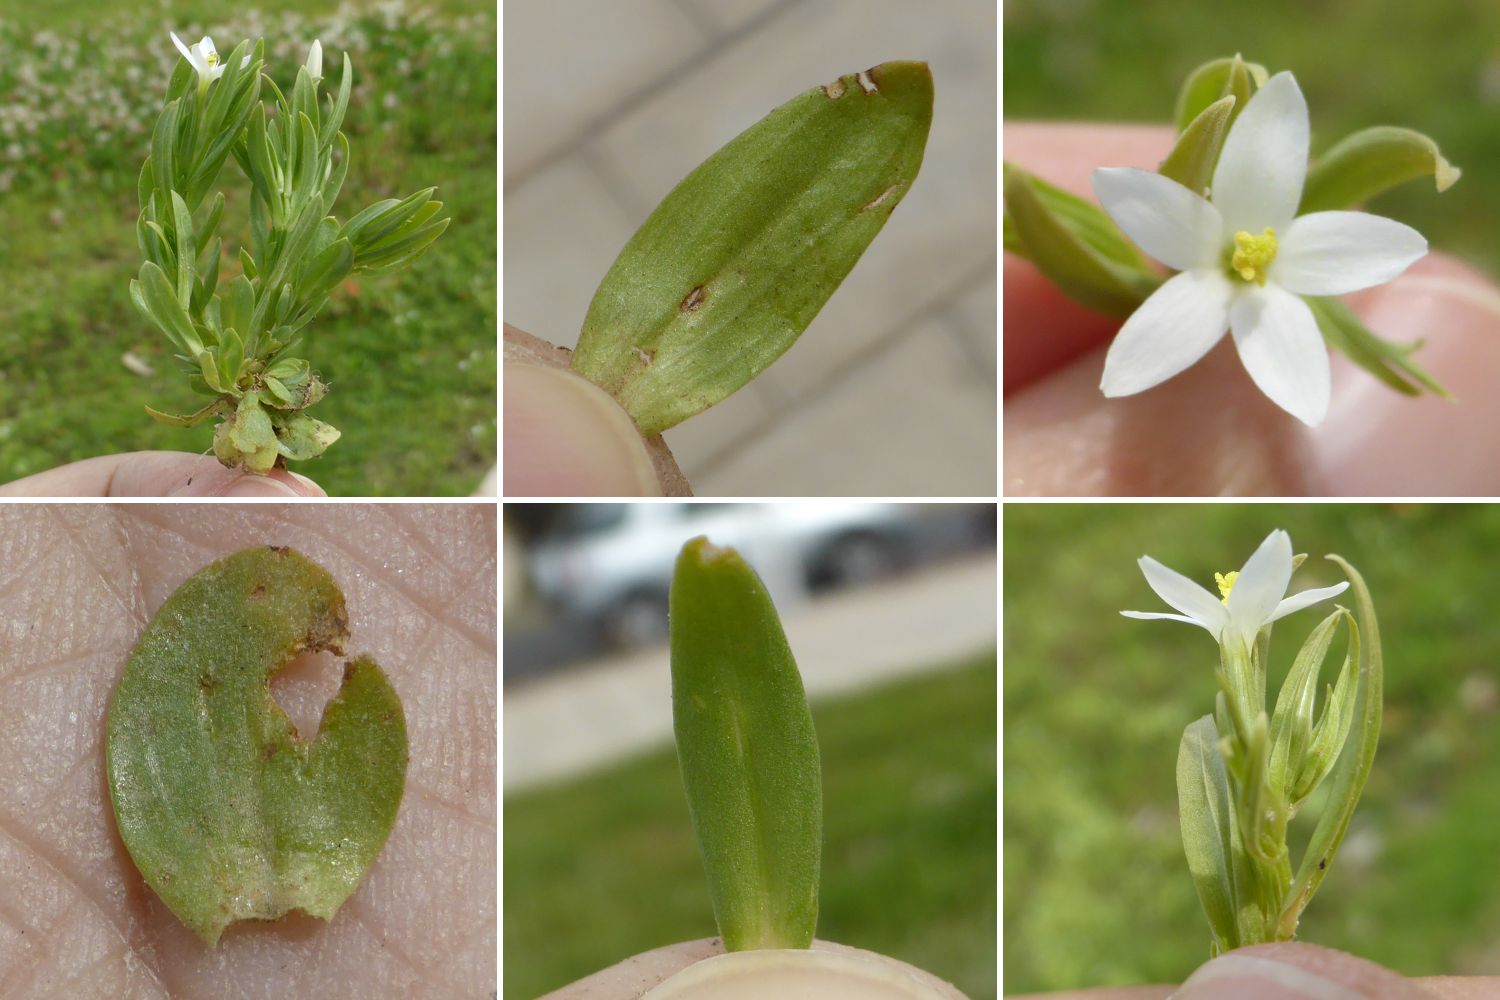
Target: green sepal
[[1387, 361], [747, 750], [1192, 160], [1054, 241], [1214, 80], [1355, 760], [1370, 162], [735, 262]]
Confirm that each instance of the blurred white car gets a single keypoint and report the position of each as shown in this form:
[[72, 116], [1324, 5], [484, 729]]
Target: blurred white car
[[611, 564]]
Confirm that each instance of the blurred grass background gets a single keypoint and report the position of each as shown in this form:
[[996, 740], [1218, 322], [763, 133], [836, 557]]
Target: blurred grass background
[[1433, 66], [601, 868], [410, 356], [1096, 888]]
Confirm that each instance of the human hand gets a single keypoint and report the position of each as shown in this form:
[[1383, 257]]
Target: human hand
[[630, 979], [158, 474], [1209, 431], [564, 436], [79, 584], [1294, 971]]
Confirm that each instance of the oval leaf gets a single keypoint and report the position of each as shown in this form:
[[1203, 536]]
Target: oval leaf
[[228, 813], [1206, 814], [732, 266], [748, 752]]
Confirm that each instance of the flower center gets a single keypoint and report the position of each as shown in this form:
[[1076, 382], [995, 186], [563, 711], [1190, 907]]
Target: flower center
[[1226, 584], [212, 58], [1253, 255]]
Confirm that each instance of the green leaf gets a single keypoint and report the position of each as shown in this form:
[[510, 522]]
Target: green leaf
[[192, 419], [335, 116], [154, 297], [1387, 361], [187, 252], [736, 261], [231, 357], [1292, 721], [748, 752], [1082, 272], [1209, 839], [1354, 763], [321, 274], [227, 811], [304, 437], [1370, 162], [1213, 81], [1192, 160], [1333, 728]]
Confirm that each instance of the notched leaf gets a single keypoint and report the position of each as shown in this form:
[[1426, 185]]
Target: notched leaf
[[228, 813]]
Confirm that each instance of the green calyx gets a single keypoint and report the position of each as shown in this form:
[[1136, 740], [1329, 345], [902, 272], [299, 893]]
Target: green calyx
[[240, 340]]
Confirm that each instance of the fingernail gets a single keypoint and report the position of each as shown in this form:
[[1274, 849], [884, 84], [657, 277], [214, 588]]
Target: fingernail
[[1294, 972], [564, 436], [258, 486], [310, 488]]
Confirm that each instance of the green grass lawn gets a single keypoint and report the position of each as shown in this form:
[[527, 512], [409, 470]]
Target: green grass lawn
[[1096, 888], [1430, 66], [601, 868], [410, 357]]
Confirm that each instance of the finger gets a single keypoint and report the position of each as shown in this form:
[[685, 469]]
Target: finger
[[564, 436], [1044, 329], [159, 474], [1296, 972], [1209, 431], [629, 979]]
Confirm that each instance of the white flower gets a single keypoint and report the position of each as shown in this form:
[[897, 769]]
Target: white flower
[[203, 57], [1253, 597], [1245, 257], [315, 60]]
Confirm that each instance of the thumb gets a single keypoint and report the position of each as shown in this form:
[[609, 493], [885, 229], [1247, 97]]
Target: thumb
[[159, 474], [1296, 972]]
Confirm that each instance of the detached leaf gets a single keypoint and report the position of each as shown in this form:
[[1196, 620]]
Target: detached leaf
[[1083, 273], [1214, 80], [1192, 160], [1370, 162], [748, 752], [1387, 361], [734, 264], [227, 811], [1354, 763]]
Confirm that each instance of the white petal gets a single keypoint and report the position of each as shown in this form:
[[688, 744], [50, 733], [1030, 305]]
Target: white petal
[[1261, 584], [1186, 596], [206, 47], [1281, 348], [1171, 223], [1331, 253], [186, 52], [1172, 329], [1306, 599], [1149, 615], [1258, 180]]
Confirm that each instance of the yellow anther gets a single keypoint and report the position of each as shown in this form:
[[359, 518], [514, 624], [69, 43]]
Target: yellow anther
[[1226, 583], [213, 60], [1253, 255]]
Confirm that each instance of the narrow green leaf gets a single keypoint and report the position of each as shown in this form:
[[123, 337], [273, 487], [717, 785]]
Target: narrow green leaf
[[1083, 273], [736, 261], [1206, 813], [1332, 730], [748, 752], [1370, 162], [1354, 763], [154, 296], [1191, 162], [1387, 361], [187, 251], [192, 419], [1214, 80], [1081, 217], [335, 116], [227, 811]]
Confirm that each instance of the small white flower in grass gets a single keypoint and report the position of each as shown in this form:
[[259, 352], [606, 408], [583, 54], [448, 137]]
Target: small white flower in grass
[[1245, 257], [1252, 598]]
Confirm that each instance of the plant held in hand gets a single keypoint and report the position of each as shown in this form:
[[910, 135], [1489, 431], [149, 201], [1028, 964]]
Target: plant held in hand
[[1241, 775], [1259, 242], [241, 341]]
